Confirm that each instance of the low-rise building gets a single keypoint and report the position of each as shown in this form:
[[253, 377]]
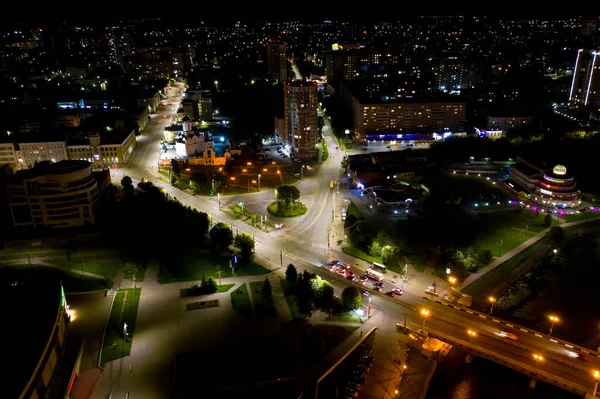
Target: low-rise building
[[53, 150], [54, 195], [504, 123], [103, 149], [8, 156]]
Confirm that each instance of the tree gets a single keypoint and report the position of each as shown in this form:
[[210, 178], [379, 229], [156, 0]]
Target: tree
[[375, 248], [556, 233], [351, 298], [131, 269], [547, 220], [324, 292], [485, 256], [194, 185], [291, 274], [246, 244], [267, 290], [127, 184], [209, 285], [221, 236], [287, 195], [389, 255]]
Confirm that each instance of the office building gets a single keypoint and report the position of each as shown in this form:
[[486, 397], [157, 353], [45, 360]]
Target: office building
[[504, 123], [101, 150], [276, 61], [7, 155], [300, 108], [54, 195], [44, 360], [585, 87], [53, 150]]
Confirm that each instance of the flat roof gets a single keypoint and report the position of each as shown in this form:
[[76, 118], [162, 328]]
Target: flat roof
[[524, 168], [46, 168], [29, 319]]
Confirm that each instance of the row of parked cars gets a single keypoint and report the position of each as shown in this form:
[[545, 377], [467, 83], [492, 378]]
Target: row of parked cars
[[357, 376], [343, 269]]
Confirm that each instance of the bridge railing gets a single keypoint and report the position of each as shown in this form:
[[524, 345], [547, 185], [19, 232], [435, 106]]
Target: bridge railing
[[514, 364]]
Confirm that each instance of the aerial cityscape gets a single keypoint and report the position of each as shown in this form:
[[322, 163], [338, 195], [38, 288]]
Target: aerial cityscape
[[331, 206]]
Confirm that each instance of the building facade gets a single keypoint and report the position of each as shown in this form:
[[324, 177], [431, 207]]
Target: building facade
[[54, 195], [300, 119], [30, 153], [548, 188], [7, 155], [410, 117], [585, 87], [504, 123], [276, 61]]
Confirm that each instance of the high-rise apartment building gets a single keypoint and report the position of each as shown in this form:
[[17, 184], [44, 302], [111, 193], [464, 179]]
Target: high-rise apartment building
[[585, 87], [276, 61], [300, 107]]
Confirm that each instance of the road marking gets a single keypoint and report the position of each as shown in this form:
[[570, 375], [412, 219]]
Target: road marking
[[319, 246], [569, 346], [524, 330], [553, 340], [469, 311], [456, 307], [496, 320], [509, 325], [481, 315], [538, 335], [584, 351]]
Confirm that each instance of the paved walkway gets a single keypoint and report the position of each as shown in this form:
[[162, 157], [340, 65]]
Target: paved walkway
[[41, 262], [281, 306], [251, 298]]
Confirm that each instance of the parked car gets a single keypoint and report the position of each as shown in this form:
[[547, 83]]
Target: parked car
[[333, 262], [394, 292], [358, 379], [367, 361], [362, 367], [345, 266], [350, 392], [378, 284], [354, 386]]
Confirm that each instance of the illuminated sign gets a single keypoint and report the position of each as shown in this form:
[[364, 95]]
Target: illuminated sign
[[336, 47], [545, 191]]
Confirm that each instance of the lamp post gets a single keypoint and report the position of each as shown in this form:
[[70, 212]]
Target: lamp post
[[493, 301], [596, 377], [553, 319], [472, 333], [259, 181], [451, 280], [425, 314]]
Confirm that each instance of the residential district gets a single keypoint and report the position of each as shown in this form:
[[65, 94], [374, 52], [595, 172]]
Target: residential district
[[300, 210]]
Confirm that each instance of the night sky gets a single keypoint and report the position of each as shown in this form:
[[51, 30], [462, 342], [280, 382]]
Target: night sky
[[113, 11]]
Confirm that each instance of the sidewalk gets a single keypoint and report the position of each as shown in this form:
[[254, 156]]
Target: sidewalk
[[39, 262]]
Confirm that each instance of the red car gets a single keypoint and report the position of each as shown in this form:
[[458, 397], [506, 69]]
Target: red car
[[584, 357]]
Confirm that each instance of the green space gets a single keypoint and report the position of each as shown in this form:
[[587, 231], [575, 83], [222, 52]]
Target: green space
[[104, 267], [240, 302], [462, 184], [325, 152], [263, 306], [353, 210], [360, 254], [346, 317], [71, 282], [291, 300], [192, 265], [139, 275], [192, 291], [123, 311], [580, 216], [275, 209], [246, 216]]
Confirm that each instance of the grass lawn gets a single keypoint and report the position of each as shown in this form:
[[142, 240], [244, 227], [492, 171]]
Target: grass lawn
[[123, 311], [192, 266], [297, 210], [291, 300], [264, 307], [353, 210], [360, 254], [580, 216], [346, 317], [240, 301], [501, 240], [524, 219], [103, 267], [187, 292], [472, 184], [71, 282]]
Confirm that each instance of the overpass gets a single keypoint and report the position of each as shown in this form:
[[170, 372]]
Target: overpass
[[538, 371]]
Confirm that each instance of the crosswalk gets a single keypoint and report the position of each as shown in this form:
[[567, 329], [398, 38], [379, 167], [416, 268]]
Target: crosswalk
[[319, 245]]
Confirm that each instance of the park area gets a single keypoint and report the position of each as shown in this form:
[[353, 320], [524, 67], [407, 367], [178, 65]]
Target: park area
[[466, 186], [118, 336], [190, 265], [72, 282]]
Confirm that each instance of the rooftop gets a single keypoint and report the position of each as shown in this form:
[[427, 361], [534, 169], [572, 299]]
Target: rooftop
[[48, 168], [29, 321], [299, 83]]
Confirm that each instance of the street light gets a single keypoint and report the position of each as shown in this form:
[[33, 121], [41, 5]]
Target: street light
[[493, 301], [425, 314], [259, 181], [451, 280], [553, 319], [472, 333], [596, 377], [538, 358]]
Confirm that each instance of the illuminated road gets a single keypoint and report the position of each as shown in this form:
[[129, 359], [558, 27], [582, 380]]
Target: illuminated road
[[303, 244]]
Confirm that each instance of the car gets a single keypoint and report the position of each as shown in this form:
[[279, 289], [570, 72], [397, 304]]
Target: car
[[341, 271], [354, 386], [396, 291], [350, 392], [357, 379], [362, 280], [350, 276], [346, 200], [378, 284], [584, 357], [378, 289], [362, 367], [333, 262], [345, 265], [366, 293], [508, 335], [366, 358], [368, 361], [297, 160]]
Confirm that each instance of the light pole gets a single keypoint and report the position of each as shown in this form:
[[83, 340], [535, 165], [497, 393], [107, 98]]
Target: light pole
[[125, 330], [451, 280], [369, 310], [553, 319], [596, 377], [493, 301], [259, 182], [425, 315], [472, 333]]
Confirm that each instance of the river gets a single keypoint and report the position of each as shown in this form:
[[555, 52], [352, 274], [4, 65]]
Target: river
[[455, 379]]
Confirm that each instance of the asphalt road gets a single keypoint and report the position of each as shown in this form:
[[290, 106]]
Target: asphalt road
[[303, 242]]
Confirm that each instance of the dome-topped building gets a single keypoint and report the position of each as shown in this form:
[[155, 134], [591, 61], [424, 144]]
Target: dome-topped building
[[549, 188]]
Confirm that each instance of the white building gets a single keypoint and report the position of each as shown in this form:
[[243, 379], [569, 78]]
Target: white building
[[192, 144], [504, 123], [8, 156], [53, 151]]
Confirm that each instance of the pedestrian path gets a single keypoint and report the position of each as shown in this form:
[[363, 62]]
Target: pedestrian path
[[281, 306], [251, 297]]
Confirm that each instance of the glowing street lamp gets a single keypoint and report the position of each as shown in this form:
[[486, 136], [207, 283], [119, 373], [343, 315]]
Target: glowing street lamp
[[493, 301], [472, 333], [596, 377], [425, 314], [538, 358], [452, 280], [259, 181], [553, 319]]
